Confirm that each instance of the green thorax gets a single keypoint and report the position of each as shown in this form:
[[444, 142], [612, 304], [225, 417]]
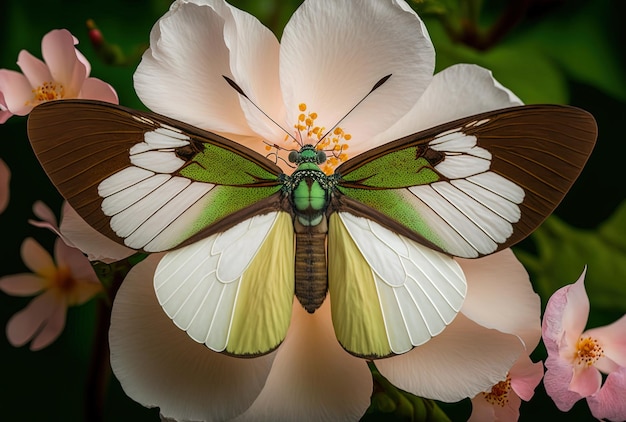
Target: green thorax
[[308, 187]]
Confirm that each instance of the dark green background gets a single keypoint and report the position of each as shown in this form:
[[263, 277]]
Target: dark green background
[[557, 52]]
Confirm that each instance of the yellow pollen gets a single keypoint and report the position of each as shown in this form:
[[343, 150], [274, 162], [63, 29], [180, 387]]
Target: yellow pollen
[[588, 351], [48, 91], [499, 394], [333, 143]]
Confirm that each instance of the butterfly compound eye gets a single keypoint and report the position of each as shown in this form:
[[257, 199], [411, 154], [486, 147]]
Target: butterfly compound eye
[[321, 157], [294, 156]]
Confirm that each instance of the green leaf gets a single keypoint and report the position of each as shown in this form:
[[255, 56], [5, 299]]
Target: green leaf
[[527, 72], [563, 251], [389, 403], [583, 45]]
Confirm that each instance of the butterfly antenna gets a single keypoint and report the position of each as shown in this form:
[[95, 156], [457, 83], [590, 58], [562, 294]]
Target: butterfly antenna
[[377, 85], [237, 88]]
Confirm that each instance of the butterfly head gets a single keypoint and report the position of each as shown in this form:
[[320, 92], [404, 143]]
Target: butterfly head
[[307, 154]]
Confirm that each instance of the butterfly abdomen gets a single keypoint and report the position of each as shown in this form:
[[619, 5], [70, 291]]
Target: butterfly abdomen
[[310, 271], [309, 193]]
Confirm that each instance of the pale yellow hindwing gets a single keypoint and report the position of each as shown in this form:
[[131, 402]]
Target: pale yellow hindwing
[[265, 297], [355, 306]]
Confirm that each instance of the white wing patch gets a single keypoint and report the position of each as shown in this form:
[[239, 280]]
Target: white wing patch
[[149, 208], [197, 285], [420, 290], [474, 211]]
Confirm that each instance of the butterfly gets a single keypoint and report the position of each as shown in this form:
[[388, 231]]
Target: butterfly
[[379, 235]]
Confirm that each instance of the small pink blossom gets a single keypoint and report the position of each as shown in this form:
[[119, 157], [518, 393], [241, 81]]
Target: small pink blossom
[[68, 280], [76, 233], [502, 402], [577, 359], [5, 178], [64, 73]]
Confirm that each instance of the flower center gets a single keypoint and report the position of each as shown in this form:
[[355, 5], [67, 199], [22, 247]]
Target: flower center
[[47, 91], [63, 280], [588, 351], [334, 142], [499, 394]]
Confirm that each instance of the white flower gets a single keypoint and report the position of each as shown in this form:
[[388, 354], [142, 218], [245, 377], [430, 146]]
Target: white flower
[[331, 55]]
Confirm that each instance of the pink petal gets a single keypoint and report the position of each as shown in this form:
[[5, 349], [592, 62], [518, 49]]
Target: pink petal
[[565, 317], [77, 233], [609, 403], [44, 213], [35, 70], [465, 359], [586, 380], [525, 376], [612, 339], [577, 308], [500, 296], [74, 259], [36, 258], [4, 114], [87, 283], [59, 53], [313, 378], [81, 58], [482, 410], [510, 411], [557, 380], [17, 92], [5, 178], [39, 322], [22, 284], [158, 364], [95, 89], [51, 330]]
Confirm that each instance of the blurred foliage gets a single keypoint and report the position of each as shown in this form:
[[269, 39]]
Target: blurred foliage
[[552, 51]]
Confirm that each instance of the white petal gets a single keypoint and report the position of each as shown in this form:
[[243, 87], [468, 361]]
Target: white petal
[[458, 91], [500, 296], [77, 233], [181, 74], [254, 52], [313, 378], [462, 361], [159, 365], [333, 53]]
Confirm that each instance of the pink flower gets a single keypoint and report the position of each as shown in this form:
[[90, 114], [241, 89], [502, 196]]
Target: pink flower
[[5, 177], [76, 233], [502, 402], [64, 74], [67, 282], [577, 359]]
